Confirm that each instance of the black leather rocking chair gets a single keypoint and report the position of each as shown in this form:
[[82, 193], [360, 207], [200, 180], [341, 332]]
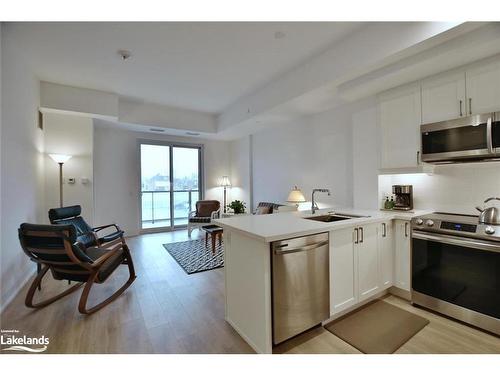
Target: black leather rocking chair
[[55, 248], [86, 235]]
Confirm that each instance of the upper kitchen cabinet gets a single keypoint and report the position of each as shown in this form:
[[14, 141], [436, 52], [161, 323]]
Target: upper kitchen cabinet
[[443, 97], [400, 118], [483, 87]]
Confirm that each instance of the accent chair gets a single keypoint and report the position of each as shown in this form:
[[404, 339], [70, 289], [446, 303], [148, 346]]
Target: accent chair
[[56, 248], [206, 211]]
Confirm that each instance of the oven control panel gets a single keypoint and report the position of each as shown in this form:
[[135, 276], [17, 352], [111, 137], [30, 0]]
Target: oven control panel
[[470, 228]]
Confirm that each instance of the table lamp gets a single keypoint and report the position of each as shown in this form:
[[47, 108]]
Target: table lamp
[[296, 196]]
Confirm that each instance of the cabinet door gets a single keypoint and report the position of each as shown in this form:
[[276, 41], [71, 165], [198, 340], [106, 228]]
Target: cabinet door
[[343, 270], [402, 255], [443, 97], [385, 254], [483, 88], [400, 118], [368, 278]]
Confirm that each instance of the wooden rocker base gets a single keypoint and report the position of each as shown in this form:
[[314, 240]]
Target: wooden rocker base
[[36, 284], [82, 305]]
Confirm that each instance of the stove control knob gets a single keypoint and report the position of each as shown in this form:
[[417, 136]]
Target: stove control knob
[[489, 230], [429, 223], [419, 221]]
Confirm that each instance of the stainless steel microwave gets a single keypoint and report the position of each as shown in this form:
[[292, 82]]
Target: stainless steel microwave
[[464, 139]]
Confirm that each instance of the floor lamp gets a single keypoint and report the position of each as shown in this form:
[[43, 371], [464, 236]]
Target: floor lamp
[[60, 159], [225, 183]]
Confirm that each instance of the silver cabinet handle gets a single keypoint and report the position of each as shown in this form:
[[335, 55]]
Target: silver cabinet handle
[[406, 229], [356, 234], [461, 113], [301, 248], [362, 235], [384, 230], [470, 106]]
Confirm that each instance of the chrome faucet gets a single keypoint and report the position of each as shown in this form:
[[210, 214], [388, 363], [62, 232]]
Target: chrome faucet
[[314, 206]]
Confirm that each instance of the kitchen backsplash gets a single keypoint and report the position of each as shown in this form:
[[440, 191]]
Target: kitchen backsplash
[[456, 188]]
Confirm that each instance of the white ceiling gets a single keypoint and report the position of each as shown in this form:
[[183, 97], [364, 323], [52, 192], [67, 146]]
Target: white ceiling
[[198, 66]]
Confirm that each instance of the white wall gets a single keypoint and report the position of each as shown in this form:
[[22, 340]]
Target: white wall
[[116, 173], [21, 161], [240, 156], [366, 156], [312, 152], [71, 135]]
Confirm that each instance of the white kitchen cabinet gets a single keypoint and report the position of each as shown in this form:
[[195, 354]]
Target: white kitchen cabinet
[[385, 239], [343, 270], [483, 87], [402, 254], [443, 97], [400, 119], [367, 249]]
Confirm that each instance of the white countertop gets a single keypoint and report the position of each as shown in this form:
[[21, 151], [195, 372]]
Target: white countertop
[[284, 225]]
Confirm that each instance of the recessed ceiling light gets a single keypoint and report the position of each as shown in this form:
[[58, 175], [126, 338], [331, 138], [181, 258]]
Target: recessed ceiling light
[[157, 130], [192, 133], [279, 35], [124, 54]]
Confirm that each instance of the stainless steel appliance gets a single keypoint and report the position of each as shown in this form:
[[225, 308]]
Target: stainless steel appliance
[[464, 139], [404, 197], [489, 215], [300, 285], [455, 268]]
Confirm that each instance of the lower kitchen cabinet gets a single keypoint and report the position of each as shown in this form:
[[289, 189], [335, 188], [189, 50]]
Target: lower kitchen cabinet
[[367, 248], [402, 254], [385, 239], [343, 270]]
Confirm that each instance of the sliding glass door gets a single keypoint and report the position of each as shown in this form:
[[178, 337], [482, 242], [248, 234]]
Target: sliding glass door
[[170, 183]]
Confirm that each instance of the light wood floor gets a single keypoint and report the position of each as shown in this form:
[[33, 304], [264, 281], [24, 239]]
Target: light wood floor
[[167, 311]]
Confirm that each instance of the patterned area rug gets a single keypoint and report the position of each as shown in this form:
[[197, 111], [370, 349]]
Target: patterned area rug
[[194, 257]]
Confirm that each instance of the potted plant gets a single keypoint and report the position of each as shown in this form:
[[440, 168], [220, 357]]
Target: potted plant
[[237, 206]]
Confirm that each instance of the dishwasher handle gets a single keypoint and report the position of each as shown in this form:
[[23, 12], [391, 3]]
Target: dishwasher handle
[[301, 248]]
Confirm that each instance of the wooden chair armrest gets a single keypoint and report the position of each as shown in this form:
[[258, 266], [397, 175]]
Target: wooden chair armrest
[[111, 244], [97, 229], [215, 214], [99, 261]]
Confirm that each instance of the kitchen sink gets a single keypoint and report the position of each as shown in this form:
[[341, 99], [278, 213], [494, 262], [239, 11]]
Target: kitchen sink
[[332, 217]]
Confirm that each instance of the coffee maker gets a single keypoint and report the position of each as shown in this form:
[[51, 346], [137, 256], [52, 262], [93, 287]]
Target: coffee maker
[[403, 196]]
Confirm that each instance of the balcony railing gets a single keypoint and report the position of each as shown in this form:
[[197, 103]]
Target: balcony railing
[[156, 206]]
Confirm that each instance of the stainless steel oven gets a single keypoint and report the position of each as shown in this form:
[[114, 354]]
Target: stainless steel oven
[[467, 138], [455, 268]]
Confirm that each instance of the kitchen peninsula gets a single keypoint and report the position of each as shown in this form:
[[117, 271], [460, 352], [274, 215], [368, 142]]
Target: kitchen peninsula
[[369, 252]]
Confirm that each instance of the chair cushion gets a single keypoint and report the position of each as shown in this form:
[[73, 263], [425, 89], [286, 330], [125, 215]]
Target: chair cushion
[[110, 265], [200, 219], [264, 210], [206, 207], [64, 212]]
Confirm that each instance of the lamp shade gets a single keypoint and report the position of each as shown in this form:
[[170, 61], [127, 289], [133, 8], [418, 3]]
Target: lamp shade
[[60, 158], [296, 196], [224, 181]]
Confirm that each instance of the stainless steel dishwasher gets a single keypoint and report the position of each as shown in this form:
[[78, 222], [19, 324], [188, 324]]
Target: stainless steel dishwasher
[[300, 284]]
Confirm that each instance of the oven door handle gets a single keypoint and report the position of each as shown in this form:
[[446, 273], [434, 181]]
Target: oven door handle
[[451, 240]]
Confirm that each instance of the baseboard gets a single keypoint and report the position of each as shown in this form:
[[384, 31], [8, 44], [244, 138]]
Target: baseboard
[[14, 294], [245, 337], [401, 293]]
